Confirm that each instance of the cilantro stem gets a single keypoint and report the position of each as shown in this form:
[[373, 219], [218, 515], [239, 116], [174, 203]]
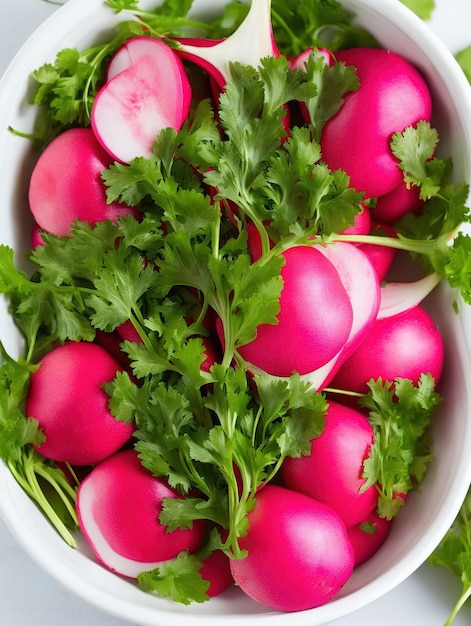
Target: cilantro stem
[[462, 600]]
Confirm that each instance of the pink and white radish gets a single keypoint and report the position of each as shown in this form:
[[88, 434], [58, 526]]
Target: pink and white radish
[[118, 507], [332, 472], [147, 90], [67, 398], [314, 321], [405, 345], [66, 183], [392, 96], [298, 552]]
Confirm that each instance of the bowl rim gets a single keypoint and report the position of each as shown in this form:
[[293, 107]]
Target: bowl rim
[[446, 65]]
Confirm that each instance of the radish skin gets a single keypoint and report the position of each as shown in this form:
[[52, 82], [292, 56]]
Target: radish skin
[[299, 555], [400, 346], [74, 191], [366, 538], [392, 96], [314, 321], [332, 472], [67, 398], [118, 505]]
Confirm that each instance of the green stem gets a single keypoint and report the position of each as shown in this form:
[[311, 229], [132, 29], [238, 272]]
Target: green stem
[[463, 598]]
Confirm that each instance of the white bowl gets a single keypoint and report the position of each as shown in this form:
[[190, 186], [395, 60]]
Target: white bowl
[[427, 515]]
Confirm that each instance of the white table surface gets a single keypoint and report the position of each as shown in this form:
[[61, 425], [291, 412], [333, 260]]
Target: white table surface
[[29, 597]]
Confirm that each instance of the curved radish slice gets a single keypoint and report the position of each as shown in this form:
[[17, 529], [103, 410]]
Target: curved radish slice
[[148, 90], [363, 288], [66, 183], [397, 297], [118, 505], [216, 57]]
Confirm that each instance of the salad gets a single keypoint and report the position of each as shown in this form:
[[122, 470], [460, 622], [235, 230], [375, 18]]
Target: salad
[[205, 335]]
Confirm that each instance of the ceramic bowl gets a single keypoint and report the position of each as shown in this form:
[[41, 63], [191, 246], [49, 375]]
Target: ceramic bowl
[[427, 514]]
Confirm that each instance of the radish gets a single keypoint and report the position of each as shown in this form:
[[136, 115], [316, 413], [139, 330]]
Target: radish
[[332, 472], [66, 184], [314, 321], [366, 538], [397, 297], [397, 203], [362, 223], [118, 506], [392, 96], [249, 44], [216, 569], [147, 90], [67, 398], [298, 552], [400, 346]]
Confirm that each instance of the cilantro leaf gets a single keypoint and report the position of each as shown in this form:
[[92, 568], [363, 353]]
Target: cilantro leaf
[[178, 578], [464, 60], [400, 414], [423, 8]]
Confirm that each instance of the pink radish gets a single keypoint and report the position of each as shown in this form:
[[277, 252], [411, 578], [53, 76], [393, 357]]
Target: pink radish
[[298, 552], [118, 507], [314, 321], [147, 90], [366, 538], [362, 223], [381, 257], [67, 398], [66, 183], [332, 472], [401, 346], [392, 96], [217, 570], [397, 203], [248, 45]]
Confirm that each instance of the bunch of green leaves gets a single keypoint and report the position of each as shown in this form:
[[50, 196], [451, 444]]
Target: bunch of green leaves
[[454, 554], [401, 416]]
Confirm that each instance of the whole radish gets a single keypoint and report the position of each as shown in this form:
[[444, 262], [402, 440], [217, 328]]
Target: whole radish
[[397, 203], [216, 569], [332, 472], [298, 552], [66, 183], [366, 538], [392, 96], [118, 507], [67, 398], [400, 346], [314, 321]]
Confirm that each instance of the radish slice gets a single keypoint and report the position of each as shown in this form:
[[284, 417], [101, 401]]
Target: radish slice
[[398, 297], [118, 505], [147, 90], [216, 57]]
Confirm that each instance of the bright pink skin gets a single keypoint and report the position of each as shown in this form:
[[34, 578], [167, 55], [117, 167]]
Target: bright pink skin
[[397, 203], [118, 506], [368, 537], [362, 224], [36, 237], [67, 398], [401, 346], [300, 61], [314, 321], [332, 472], [381, 257], [148, 91], [127, 332], [299, 555], [392, 96], [73, 190], [217, 570]]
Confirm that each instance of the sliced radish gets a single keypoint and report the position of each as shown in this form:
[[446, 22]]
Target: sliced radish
[[397, 297], [147, 90], [66, 183], [252, 41], [118, 505]]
